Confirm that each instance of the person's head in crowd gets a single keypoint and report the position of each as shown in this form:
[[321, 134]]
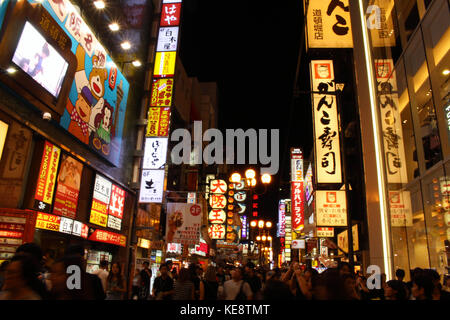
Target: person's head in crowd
[[169, 265], [210, 274], [395, 290], [183, 275], [276, 290], [416, 272], [199, 271], [249, 268], [400, 274], [350, 286], [104, 264], [237, 274], [20, 276], [163, 270], [330, 286], [344, 268], [422, 288], [34, 251], [145, 265]]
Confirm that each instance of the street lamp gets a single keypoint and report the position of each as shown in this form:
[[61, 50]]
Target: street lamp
[[235, 177], [253, 224], [250, 174], [266, 178], [268, 224], [261, 224]]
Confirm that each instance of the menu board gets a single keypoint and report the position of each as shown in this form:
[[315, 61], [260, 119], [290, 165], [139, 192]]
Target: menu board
[[16, 228]]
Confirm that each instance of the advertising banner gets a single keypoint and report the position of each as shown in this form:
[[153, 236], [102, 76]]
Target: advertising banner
[[68, 187], [331, 208], [47, 177], [155, 153], [162, 92], [108, 237], [48, 221], [165, 64], [297, 206], [400, 209], [152, 186], [183, 223], [158, 122]]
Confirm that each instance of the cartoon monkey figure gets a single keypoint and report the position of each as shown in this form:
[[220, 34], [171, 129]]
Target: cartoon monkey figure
[[80, 115]]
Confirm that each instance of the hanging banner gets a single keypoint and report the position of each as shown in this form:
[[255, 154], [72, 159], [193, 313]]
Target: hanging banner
[[400, 209], [331, 208], [155, 153], [152, 186], [326, 126], [391, 122], [328, 24], [47, 177], [158, 122], [183, 223], [297, 206], [68, 187], [281, 218]]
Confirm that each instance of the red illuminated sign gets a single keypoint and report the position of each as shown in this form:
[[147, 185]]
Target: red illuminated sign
[[170, 14], [108, 237], [297, 198]]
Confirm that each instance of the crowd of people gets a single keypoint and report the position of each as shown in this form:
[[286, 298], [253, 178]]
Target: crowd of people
[[30, 275]]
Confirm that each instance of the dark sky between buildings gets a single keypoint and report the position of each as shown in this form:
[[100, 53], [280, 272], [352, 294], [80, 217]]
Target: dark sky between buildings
[[250, 48]]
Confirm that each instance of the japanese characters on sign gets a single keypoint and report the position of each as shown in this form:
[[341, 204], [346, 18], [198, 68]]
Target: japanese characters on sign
[[326, 127], [152, 186], [331, 208], [165, 64], [170, 14], [162, 92], [309, 183], [183, 223], [328, 24], [400, 208], [343, 239], [48, 221], [68, 188], [216, 231], [391, 121], [117, 202], [218, 186], [47, 177], [167, 39], [217, 216], [381, 24], [108, 237], [158, 122], [244, 228], [298, 204], [325, 232], [281, 218], [296, 165], [155, 153]]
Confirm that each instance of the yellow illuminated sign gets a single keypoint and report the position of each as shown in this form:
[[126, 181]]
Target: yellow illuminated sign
[[165, 64]]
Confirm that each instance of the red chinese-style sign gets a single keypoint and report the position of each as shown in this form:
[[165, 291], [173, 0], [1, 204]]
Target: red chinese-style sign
[[108, 237], [297, 198], [158, 122], [217, 201], [218, 186], [117, 202], [170, 14], [16, 227], [162, 90], [217, 216], [216, 231]]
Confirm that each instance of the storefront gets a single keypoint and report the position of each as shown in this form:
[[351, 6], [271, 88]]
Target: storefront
[[63, 101], [407, 48]]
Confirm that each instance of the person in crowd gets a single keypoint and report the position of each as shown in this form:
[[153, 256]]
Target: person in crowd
[[221, 277], [174, 273], [330, 286], [163, 285], [48, 259], [446, 284], [20, 281], [200, 272], [361, 285], [193, 272], [2, 272], [116, 285], [344, 268], [94, 282], [422, 287], [145, 277], [275, 289], [136, 287], [102, 273], [253, 280], [237, 288], [414, 273], [169, 265], [400, 274], [395, 290], [209, 285], [438, 293], [378, 293], [184, 288], [351, 287], [300, 284]]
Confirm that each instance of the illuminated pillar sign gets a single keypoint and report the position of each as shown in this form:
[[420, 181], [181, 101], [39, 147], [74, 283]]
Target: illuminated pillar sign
[[162, 93], [297, 192], [281, 218], [326, 127], [288, 231]]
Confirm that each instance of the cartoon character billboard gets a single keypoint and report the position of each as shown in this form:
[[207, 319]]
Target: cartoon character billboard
[[95, 109]]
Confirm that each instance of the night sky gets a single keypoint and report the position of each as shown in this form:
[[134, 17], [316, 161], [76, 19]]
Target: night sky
[[250, 48]]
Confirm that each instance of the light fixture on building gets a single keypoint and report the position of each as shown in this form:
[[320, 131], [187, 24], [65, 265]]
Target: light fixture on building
[[261, 224], [235, 177], [99, 4], [125, 45], [266, 178], [446, 72], [250, 174], [253, 224], [137, 63], [268, 224], [11, 70], [114, 26]]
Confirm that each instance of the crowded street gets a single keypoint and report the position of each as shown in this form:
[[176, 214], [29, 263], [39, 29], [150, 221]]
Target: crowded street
[[221, 156]]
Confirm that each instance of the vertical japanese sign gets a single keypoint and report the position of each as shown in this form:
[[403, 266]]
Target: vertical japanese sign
[[331, 208], [297, 192], [47, 177], [183, 223], [326, 126], [100, 201], [155, 153], [381, 24], [281, 218], [162, 91], [400, 208], [328, 24], [218, 204], [391, 121], [68, 188], [288, 232]]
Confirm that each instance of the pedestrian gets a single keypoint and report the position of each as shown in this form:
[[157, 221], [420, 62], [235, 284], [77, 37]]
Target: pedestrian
[[253, 280], [145, 277], [438, 293], [94, 284], [20, 281], [163, 285], [330, 286], [395, 290], [221, 275], [237, 288], [422, 287], [194, 277], [209, 285], [350, 287], [2, 272], [344, 268], [102, 273], [446, 284], [136, 286], [115, 285], [300, 284], [183, 288], [275, 289], [400, 274], [169, 265]]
